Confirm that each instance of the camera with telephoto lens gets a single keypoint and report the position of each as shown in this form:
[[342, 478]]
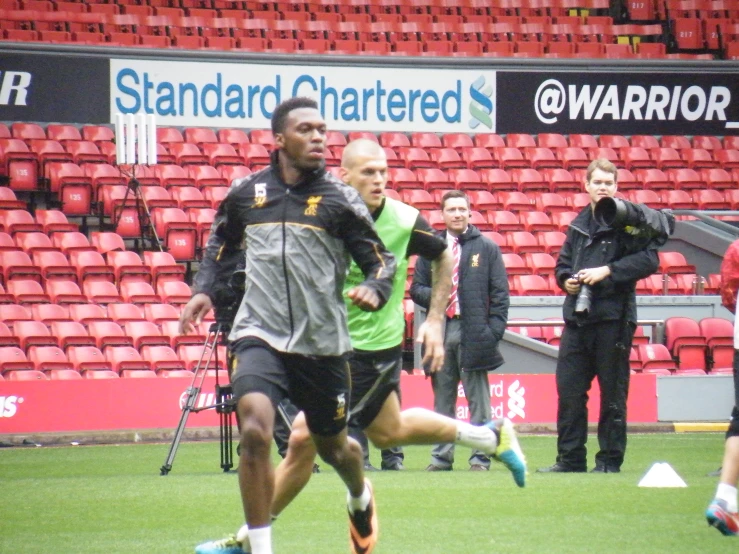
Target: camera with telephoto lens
[[584, 299], [636, 219]]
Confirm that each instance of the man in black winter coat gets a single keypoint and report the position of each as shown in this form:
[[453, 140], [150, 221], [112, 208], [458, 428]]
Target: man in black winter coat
[[596, 343], [476, 319]]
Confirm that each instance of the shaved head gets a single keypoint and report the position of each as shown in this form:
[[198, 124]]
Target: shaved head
[[360, 149], [364, 167]]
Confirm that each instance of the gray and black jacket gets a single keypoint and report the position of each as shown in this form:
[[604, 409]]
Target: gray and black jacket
[[298, 240]]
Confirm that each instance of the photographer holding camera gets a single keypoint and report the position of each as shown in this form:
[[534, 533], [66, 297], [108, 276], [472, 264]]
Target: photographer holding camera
[[607, 250]]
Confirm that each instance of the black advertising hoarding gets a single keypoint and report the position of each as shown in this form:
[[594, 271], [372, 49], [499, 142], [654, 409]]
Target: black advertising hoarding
[[65, 89], [598, 102]]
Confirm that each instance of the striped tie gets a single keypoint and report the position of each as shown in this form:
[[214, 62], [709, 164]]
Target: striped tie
[[451, 309]]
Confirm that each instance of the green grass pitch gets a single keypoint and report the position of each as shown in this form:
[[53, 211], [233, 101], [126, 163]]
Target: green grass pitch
[[111, 499]]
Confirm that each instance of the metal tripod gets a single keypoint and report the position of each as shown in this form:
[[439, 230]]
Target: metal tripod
[[224, 405], [142, 211]]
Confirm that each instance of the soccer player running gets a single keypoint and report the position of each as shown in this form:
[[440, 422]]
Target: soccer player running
[[377, 357], [297, 225]]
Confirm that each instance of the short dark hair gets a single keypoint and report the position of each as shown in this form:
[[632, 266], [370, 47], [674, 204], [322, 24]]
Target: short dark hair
[[454, 194], [279, 116]]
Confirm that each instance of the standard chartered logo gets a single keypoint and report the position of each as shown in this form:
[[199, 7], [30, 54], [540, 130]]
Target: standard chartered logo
[[549, 101], [516, 400], [481, 107]]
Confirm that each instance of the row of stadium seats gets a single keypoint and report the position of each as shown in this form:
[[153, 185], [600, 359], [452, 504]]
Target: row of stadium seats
[[48, 158], [392, 139], [85, 361], [690, 347]]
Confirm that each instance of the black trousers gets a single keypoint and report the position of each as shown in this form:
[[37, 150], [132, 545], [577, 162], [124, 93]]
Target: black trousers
[[584, 354]]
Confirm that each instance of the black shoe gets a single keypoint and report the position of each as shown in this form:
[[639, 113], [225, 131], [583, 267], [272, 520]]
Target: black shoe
[[316, 468], [603, 469], [478, 467], [370, 467], [560, 468], [432, 467], [397, 466]]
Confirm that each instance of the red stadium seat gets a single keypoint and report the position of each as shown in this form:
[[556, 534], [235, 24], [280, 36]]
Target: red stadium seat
[[71, 241], [54, 221], [164, 266], [715, 178], [125, 358], [127, 265], [157, 313], [33, 333], [9, 201], [90, 266], [540, 262], [655, 358], [84, 313], [710, 199], [665, 158], [551, 241], [88, 359], [515, 201], [138, 292], [18, 221], [145, 333], [19, 164], [674, 262], [105, 242], [18, 265], [719, 335], [161, 358], [108, 333], [550, 202], [46, 313], [24, 375], [504, 221], [14, 359], [48, 359], [122, 312], [27, 291], [179, 234], [536, 221], [522, 241], [531, 285], [680, 200], [102, 292], [174, 292]]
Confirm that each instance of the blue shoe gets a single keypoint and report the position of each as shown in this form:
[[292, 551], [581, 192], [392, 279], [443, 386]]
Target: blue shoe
[[509, 451], [229, 545], [721, 518]]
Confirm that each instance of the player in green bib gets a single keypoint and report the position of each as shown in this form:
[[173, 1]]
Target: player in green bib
[[375, 363]]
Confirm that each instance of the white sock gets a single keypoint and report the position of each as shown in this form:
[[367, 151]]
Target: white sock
[[242, 534], [479, 438], [261, 540], [359, 503], [727, 493]]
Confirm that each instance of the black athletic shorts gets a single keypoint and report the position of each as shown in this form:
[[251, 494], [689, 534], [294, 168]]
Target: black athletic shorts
[[375, 375], [733, 430], [318, 385]]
